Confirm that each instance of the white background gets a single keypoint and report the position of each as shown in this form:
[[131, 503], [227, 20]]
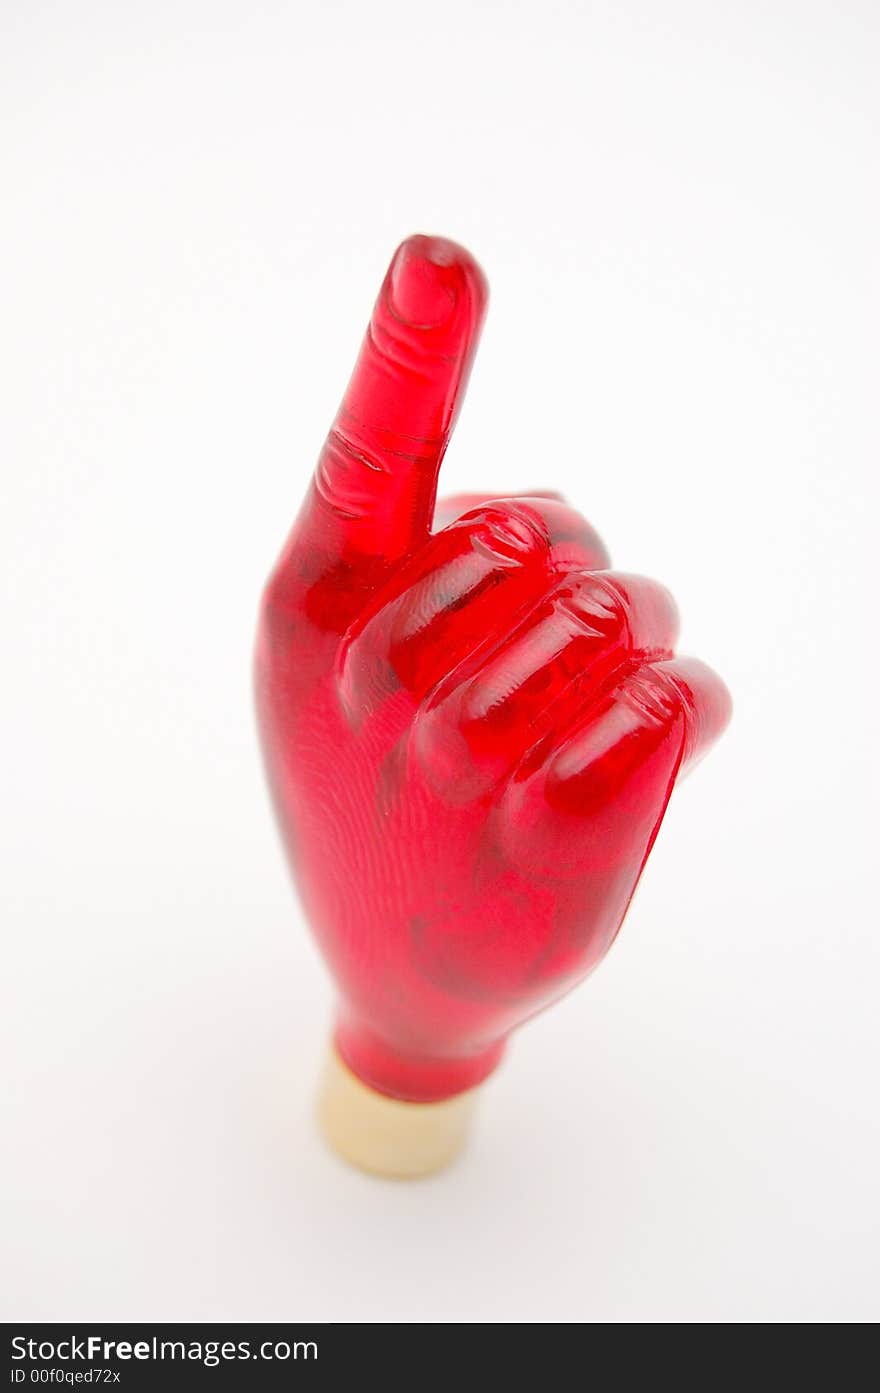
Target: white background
[[676, 205]]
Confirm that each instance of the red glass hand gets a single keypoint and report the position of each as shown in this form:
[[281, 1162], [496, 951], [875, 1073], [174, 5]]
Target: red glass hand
[[471, 734]]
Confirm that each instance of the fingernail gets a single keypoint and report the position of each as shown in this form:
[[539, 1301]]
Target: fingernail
[[423, 282]]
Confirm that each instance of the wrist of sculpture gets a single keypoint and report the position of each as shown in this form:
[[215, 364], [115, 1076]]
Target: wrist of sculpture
[[413, 1075]]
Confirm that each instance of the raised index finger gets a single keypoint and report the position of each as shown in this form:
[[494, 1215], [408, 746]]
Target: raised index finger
[[372, 496]]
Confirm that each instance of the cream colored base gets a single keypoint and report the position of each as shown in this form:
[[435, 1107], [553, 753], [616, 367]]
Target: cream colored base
[[384, 1135]]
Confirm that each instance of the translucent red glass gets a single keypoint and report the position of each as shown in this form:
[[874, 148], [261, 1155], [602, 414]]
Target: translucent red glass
[[471, 733]]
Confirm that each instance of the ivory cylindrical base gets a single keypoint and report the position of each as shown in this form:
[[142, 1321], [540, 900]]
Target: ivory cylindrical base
[[387, 1136]]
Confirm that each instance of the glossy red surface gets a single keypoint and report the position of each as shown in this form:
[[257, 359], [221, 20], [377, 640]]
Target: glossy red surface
[[471, 733]]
